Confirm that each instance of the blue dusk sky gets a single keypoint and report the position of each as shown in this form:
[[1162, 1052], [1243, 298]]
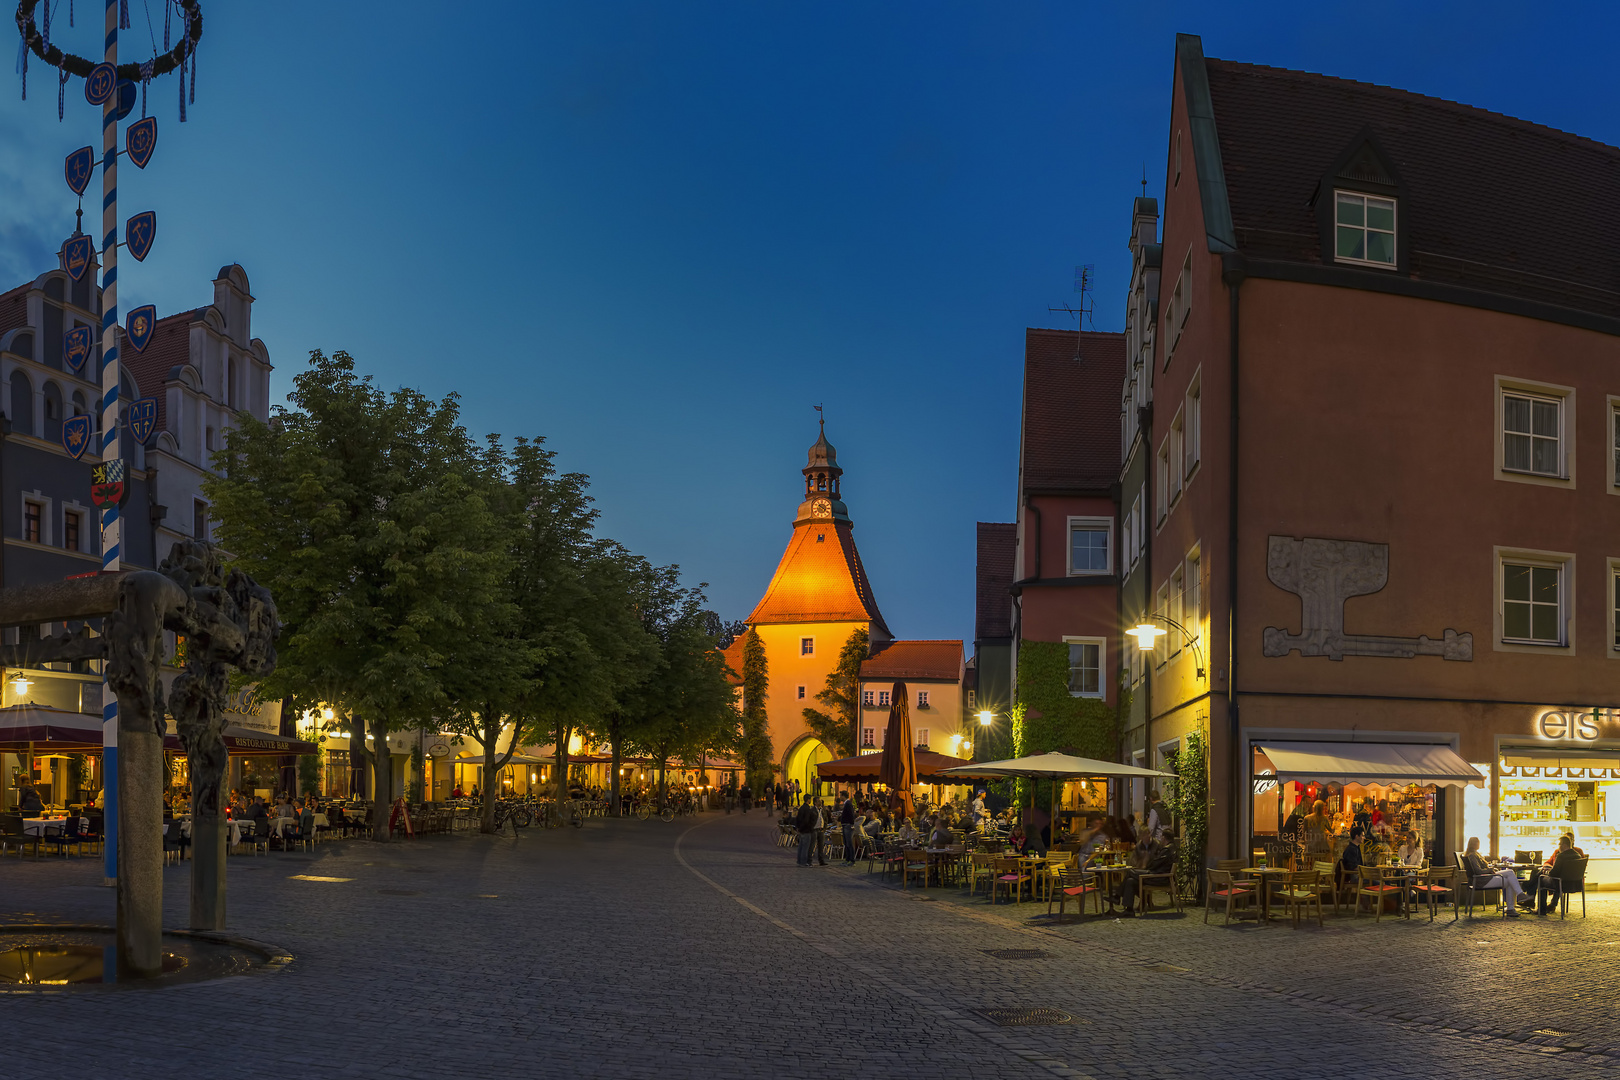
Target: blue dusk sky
[[657, 233]]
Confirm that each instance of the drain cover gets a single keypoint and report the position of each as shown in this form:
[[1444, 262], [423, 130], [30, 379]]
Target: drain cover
[[399, 892], [1026, 1017], [1017, 954]]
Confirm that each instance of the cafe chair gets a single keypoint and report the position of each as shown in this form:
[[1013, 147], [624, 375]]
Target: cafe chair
[[62, 837], [171, 841], [1473, 887], [1298, 891], [1073, 885], [1577, 884], [981, 867], [1373, 882], [1439, 884], [1010, 875], [12, 835], [1327, 881], [260, 838], [913, 863], [92, 834], [1224, 888], [1230, 864], [1167, 881]]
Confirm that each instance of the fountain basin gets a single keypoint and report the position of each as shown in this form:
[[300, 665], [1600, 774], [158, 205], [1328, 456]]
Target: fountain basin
[[82, 959]]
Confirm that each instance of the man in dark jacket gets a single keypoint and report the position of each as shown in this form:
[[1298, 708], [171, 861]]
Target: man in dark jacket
[[747, 796], [1566, 866], [31, 805], [805, 822], [1151, 858]]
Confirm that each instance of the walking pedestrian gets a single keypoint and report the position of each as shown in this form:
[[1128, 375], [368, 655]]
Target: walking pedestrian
[[846, 818], [747, 796], [821, 832]]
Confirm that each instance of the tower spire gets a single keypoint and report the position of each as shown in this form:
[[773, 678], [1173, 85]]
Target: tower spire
[[822, 482]]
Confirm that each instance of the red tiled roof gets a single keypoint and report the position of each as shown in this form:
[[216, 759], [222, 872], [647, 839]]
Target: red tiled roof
[[1070, 437], [993, 578], [915, 660], [1490, 201], [820, 579], [734, 659], [170, 345]]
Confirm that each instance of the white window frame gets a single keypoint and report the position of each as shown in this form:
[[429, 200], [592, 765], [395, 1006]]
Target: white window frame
[[1102, 665], [1193, 608], [1394, 233], [1614, 616], [922, 737], [868, 698], [1175, 315], [47, 512], [1161, 477], [1090, 523], [1175, 639], [1192, 425], [922, 699], [883, 699], [1614, 444], [868, 737], [807, 646], [1161, 606], [1174, 448], [1565, 396], [1564, 562]]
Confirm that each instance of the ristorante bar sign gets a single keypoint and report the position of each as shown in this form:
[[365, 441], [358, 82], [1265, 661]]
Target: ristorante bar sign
[[1581, 724]]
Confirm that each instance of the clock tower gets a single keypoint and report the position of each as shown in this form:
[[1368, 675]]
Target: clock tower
[[821, 485]]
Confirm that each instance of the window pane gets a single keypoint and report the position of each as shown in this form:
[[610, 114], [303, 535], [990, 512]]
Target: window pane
[[1545, 457], [1515, 451], [1381, 214], [1350, 210], [1544, 414], [1350, 242], [1084, 669], [1381, 247], [1515, 413], [1545, 623], [1515, 620], [1089, 549], [1515, 582], [1544, 583]]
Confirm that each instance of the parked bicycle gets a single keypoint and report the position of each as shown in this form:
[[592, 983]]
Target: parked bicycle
[[517, 813]]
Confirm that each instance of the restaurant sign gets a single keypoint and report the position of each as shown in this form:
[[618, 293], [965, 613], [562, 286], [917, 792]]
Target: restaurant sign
[[439, 750], [1580, 724]]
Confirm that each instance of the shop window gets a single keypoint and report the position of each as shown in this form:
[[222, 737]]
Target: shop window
[[1364, 229], [1085, 666], [1532, 604], [1089, 545]]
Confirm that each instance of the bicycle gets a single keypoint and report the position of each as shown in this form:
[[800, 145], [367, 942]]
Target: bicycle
[[517, 814]]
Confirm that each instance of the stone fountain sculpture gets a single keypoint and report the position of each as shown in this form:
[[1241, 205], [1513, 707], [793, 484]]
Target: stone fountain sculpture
[[228, 621]]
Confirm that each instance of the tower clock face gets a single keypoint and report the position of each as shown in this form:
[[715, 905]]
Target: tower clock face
[[821, 507]]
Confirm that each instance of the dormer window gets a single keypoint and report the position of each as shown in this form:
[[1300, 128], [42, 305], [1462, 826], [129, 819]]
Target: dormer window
[[1364, 229]]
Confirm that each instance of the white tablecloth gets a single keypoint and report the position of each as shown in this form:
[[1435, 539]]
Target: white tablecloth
[[37, 826]]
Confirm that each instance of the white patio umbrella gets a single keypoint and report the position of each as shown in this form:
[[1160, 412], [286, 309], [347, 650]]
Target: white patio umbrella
[[1054, 767]]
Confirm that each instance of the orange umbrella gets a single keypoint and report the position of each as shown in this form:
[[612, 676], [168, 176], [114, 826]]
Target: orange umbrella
[[898, 770]]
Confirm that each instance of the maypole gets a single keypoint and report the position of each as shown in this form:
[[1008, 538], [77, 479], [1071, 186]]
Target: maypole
[[131, 773]]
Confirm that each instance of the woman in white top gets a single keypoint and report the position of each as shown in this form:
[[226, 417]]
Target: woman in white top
[[1411, 853]]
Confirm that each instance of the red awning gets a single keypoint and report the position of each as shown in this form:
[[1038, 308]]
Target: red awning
[[51, 731], [864, 768], [250, 742]]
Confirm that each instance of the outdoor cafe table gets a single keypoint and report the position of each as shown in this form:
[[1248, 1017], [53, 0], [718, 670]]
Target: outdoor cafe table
[[1261, 872], [940, 858], [37, 826]]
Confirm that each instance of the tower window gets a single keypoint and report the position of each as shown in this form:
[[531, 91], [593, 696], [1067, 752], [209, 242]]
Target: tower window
[[801, 693], [821, 538], [807, 646]]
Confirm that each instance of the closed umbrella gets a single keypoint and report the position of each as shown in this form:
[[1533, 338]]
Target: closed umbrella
[[899, 768]]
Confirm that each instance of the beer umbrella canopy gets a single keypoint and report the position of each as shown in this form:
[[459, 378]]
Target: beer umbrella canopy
[[1054, 766], [898, 770]]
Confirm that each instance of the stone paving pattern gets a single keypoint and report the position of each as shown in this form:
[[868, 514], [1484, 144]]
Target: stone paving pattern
[[646, 949]]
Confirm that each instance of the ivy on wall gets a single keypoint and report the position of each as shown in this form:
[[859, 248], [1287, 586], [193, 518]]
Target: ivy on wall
[[1189, 805], [1048, 717]]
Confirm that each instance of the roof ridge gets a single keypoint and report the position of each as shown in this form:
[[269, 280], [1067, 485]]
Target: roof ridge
[[1396, 92]]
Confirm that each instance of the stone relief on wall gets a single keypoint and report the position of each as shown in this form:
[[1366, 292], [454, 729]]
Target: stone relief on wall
[[1326, 573]]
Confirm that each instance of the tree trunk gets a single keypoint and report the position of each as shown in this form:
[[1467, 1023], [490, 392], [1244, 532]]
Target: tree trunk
[[559, 781], [663, 783], [140, 842], [359, 757], [492, 733], [202, 728], [382, 767], [618, 760]]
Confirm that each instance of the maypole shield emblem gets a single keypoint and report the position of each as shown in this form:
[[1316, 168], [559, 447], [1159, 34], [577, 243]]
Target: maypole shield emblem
[[76, 255], [76, 345], [101, 84], [142, 321], [79, 166], [139, 232], [140, 139], [143, 419], [107, 486], [76, 432]]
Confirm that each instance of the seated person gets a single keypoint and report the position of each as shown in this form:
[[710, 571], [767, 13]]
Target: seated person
[[908, 832], [1150, 858], [940, 835], [257, 810], [1345, 870], [31, 805], [1411, 853], [1017, 839], [1566, 866], [1484, 876]]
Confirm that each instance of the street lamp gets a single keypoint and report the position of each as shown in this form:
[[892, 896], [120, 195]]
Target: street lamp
[[1147, 634], [986, 717], [20, 684]]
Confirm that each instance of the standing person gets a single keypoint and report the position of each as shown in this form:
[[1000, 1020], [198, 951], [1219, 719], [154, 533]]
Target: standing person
[[729, 793], [821, 832], [846, 818], [1155, 816], [805, 822], [747, 796]]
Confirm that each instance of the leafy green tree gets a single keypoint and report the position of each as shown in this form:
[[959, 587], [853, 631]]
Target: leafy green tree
[[757, 752], [364, 513], [840, 728]]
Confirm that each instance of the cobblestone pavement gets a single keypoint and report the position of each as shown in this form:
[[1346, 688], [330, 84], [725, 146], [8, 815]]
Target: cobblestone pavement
[[634, 949]]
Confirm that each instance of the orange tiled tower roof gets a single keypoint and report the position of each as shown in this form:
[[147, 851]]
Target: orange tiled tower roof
[[820, 577]]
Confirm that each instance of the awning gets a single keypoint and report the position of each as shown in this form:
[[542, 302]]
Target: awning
[[517, 759], [51, 731], [1557, 757], [251, 742], [931, 769], [1059, 766], [1369, 763]]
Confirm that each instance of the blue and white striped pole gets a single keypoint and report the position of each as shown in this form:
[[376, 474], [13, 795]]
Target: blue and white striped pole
[[111, 527]]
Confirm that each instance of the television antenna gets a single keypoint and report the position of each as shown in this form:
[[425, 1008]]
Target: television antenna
[[1085, 284]]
